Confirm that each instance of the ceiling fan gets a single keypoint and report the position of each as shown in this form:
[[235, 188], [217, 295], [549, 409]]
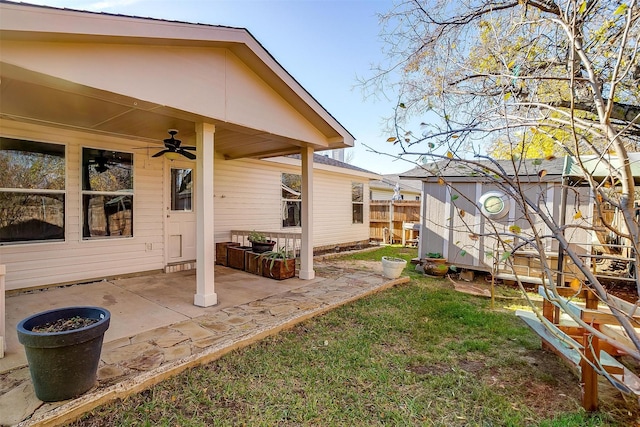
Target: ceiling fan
[[172, 145]]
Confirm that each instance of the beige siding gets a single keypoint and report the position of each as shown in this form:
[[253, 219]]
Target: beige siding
[[333, 210], [40, 264], [247, 197]]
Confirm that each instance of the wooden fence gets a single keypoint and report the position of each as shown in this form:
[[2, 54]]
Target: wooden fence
[[386, 220]]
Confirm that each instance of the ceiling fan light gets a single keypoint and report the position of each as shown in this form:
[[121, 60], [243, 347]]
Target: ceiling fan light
[[172, 155]]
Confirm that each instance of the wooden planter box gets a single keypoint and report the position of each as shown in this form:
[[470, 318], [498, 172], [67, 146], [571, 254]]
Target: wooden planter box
[[252, 263], [222, 257], [235, 256], [282, 269]]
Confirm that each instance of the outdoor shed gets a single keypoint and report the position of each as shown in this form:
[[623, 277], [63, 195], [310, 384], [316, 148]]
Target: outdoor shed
[[455, 193]]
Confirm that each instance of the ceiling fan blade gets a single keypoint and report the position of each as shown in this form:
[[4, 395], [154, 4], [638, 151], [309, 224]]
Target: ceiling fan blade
[[187, 154], [188, 147], [160, 153]]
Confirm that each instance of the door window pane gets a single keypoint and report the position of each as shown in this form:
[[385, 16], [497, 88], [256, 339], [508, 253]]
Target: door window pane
[[181, 189]]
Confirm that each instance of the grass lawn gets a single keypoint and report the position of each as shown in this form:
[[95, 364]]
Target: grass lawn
[[420, 354]]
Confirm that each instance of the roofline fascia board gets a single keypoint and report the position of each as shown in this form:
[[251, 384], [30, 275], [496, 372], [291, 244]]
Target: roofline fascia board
[[459, 179], [320, 166]]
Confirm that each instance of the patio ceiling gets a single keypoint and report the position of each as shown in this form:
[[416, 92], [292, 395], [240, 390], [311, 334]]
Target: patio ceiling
[[51, 76], [36, 98]]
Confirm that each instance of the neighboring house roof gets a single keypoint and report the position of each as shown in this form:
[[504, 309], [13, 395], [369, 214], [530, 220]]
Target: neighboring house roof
[[389, 181], [478, 169], [320, 159]]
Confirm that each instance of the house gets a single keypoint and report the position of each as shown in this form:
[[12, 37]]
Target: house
[[88, 188], [459, 198], [390, 185]]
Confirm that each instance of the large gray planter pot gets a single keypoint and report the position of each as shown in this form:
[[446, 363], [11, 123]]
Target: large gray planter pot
[[64, 364]]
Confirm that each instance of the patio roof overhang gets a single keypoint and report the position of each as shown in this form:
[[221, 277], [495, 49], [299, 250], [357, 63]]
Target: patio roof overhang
[[36, 98], [62, 90]]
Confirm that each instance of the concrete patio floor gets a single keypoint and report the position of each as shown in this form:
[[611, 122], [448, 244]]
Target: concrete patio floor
[[157, 332]]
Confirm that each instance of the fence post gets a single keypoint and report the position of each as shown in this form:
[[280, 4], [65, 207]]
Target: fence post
[[589, 377], [391, 209], [3, 311]]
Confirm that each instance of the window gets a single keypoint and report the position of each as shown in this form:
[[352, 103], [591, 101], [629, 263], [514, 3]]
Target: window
[[291, 200], [32, 191], [357, 202], [181, 189], [493, 204], [107, 194]]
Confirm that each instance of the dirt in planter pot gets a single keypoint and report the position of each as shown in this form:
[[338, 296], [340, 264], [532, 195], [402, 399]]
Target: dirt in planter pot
[[62, 325]]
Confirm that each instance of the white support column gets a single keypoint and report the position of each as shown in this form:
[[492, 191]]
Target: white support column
[[306, 246], [205, 247], [3, 340]]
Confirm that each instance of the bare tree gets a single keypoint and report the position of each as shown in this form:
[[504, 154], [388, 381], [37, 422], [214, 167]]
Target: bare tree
[[560, 74]]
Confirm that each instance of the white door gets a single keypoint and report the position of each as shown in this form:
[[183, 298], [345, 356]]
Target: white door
[[181, 216]]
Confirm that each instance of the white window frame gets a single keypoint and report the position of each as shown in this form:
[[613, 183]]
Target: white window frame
[[285, 201], [83, 192], [42, 191], [355, 203]]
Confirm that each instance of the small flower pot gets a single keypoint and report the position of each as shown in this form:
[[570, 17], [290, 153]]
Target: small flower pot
[[262, 247], [392, 267], [63, 364], [436, 269]]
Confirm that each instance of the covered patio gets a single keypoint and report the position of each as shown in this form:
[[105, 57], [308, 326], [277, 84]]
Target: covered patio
[[84, 80], [156, 331]]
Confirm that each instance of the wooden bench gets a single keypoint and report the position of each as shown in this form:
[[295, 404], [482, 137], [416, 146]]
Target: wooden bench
[[569, 342]]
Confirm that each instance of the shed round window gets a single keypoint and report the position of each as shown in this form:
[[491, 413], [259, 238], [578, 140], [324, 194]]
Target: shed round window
[[493, 204]]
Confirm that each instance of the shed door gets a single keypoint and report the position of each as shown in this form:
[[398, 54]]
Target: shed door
[[181, 216]]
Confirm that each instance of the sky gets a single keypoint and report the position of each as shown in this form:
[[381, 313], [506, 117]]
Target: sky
[[326, 45]]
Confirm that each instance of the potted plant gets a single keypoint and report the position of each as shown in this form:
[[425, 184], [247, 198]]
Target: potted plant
[[278, 264], [436, 269], [63, 349], [392, 267], [260, 243]]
